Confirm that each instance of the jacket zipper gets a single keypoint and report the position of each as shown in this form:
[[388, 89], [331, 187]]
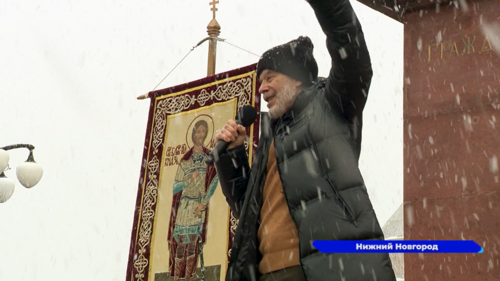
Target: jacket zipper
[[346, 207]]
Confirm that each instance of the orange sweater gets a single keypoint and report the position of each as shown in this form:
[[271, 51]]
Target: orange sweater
[[278, 239]]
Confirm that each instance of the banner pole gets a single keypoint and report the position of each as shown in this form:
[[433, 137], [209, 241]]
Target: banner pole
[[213, 30]]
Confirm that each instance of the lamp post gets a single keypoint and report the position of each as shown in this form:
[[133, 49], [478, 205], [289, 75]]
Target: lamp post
[[28, 173]]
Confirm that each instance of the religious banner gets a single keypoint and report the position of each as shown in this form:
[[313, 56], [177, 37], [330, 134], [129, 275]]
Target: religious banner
[[183, 226]]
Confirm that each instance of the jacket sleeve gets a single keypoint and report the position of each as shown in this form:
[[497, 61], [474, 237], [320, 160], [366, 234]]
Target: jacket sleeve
[[233, 170], [350, 76]]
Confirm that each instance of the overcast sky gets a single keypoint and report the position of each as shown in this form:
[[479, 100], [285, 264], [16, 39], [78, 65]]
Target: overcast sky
[[69, 77]]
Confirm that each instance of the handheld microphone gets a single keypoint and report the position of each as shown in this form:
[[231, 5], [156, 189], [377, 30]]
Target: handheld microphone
[[246, 116]]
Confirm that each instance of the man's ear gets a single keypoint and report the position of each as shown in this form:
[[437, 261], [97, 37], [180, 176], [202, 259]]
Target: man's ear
[[297, 83]]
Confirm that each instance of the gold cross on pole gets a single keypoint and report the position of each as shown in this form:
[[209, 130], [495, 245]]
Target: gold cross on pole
[[214, 8]]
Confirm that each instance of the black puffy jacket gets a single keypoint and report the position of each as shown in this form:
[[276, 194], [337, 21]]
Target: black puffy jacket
[[317, 144]]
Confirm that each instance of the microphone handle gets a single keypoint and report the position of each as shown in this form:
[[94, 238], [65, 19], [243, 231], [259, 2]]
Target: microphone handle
[[219, 147]]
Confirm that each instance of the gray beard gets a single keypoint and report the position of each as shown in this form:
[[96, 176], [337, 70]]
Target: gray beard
[[284, 100]]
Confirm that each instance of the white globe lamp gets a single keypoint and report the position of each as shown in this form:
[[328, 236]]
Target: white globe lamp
[[28, 173], [6, 188]]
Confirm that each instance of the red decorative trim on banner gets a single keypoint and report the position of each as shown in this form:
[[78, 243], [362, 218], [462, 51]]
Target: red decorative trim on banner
[[187, 97]]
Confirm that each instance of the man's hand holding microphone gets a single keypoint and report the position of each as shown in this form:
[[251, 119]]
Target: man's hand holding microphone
[[233, 134]]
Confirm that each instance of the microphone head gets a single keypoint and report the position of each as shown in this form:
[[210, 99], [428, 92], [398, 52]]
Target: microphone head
[[246, 115]]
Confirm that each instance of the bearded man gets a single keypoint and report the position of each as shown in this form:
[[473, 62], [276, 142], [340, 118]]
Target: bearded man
[[305, 184]]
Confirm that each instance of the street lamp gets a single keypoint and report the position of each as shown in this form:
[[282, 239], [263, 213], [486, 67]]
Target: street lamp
[[28, 173]]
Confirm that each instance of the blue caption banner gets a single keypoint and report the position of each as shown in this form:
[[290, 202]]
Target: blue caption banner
[[397, 246]]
